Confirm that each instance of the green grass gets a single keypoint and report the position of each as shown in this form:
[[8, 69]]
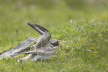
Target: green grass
[[83, 42]]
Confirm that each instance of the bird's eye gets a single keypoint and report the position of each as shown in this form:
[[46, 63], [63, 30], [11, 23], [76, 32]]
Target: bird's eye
[[55, 43]]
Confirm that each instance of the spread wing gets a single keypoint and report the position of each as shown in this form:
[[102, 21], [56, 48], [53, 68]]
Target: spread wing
[[45, 35]]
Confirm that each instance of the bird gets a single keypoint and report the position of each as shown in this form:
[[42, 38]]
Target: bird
[[44, 48]]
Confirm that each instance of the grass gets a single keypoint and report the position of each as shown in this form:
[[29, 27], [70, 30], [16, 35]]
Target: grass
[[83, 38]]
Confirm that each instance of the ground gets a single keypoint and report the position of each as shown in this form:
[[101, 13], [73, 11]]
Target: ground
[[83, 37]]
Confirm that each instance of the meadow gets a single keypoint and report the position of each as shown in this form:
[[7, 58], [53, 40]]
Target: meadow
[[83, 37]]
